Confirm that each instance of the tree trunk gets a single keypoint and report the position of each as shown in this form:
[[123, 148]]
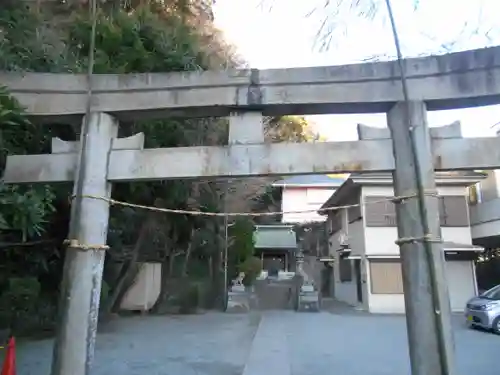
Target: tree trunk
[[167, 269], [187, 256], [169, 263], [216, 267]]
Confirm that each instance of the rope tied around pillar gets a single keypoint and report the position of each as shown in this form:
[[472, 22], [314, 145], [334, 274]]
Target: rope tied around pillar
[[75, 245], [404, 198], [427, 238]]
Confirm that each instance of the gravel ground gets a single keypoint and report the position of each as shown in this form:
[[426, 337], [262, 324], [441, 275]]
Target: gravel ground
[[276, 342]]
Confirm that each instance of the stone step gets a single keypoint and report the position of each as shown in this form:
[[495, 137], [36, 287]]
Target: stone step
[[271, 297]]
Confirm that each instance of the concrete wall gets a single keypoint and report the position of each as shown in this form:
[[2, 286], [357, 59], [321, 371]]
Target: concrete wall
[[302, 199], [485, 214], [490, 186], [346, 291], [381, 240], [490, 227], [145, 290], [356, 239]]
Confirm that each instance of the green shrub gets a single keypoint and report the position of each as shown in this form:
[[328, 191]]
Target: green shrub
[[190, 299], [23, 309]]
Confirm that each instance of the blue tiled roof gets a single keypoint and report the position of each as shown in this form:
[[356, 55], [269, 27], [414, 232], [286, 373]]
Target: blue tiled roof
[[311, 180]]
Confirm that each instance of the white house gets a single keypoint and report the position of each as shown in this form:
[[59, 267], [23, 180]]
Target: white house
[[306, 193], [368, 273], [485, 211]]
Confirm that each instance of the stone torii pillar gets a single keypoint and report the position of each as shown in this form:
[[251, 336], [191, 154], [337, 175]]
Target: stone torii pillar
[[84, 260], [81, 285], [122, 160], [428, 311], [427, 303]]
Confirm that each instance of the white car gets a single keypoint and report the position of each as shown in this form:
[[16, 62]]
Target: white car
[[484, 310]]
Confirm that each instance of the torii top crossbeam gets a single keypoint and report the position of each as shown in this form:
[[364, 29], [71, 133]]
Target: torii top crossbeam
[[456, 80]]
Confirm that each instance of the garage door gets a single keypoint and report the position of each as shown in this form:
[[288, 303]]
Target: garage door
[[461, 283]]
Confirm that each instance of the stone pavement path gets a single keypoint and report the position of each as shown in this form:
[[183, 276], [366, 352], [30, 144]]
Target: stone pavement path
[[209, 344], [269, 350], [277, 343]]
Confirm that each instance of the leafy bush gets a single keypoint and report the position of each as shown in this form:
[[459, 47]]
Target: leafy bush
[[189, 300], [22, 289], [20, 305], [143, 40], [242, 232], [241, 245], [24, 209]]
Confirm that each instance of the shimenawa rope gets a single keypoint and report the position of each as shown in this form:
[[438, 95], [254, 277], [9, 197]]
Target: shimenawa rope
[[397, 200]]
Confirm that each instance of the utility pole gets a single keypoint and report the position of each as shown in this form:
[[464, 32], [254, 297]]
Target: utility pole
[[428, 312]]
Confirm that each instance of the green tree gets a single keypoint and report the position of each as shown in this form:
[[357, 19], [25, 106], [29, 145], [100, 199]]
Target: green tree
[[24, 209], [290, 129], [131, 37], [241, 245]]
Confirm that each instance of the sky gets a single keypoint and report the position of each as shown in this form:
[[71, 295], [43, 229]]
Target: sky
[[289, 33]]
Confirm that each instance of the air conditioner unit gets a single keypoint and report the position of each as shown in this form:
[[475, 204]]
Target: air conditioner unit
[[343, 240], [345, 249]]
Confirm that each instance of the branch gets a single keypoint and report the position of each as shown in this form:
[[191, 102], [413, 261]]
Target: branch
[[335, 16]]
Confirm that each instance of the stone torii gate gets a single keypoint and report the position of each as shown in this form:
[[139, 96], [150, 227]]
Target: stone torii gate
[[452, 81]]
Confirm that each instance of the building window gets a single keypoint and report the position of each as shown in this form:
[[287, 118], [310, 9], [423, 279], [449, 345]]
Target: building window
[[345, 270], [386, 276], [380, 212], [453, 211]]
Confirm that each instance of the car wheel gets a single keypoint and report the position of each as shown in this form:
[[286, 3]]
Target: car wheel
[[496, 325]]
